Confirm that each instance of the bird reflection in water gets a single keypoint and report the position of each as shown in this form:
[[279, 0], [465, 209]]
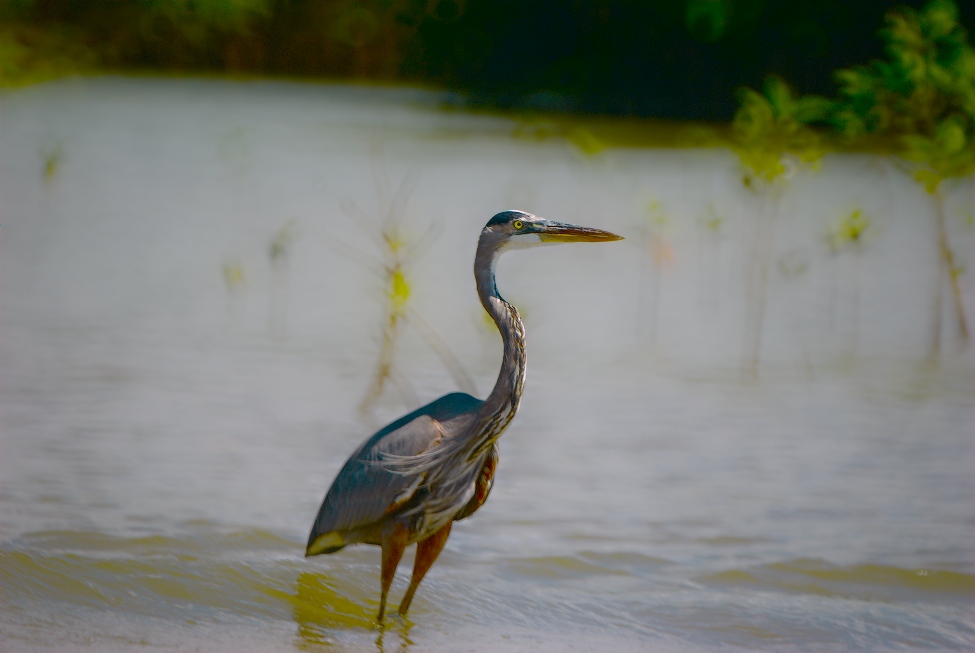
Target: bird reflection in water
[[320, 607]]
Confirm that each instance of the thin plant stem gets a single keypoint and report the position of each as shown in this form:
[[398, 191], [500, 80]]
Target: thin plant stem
[[642, 294], [855, 318], [384, 365], [948, 260], [654, 305], [457, 372], [766, 237]]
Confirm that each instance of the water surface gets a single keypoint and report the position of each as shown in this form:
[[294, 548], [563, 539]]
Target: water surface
[[163, 454]]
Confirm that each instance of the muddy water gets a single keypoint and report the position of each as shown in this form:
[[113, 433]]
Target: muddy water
[[167, 435]]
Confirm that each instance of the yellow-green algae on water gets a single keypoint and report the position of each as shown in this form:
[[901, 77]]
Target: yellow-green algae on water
[[866, 582]]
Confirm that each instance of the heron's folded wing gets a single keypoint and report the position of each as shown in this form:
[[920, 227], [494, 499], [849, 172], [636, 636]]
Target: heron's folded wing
[[365, 490]]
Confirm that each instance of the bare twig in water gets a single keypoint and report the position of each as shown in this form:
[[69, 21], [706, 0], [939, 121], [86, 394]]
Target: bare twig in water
[[397, 250], [658, 251], [850, 232], [457, 372], [279, 253], [711, 234], [52, 157], [235, 282]]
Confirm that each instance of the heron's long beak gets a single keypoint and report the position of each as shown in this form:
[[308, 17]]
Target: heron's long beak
[[556, 232]]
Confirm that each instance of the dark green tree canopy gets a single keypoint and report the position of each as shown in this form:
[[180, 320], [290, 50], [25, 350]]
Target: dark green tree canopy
[[680, 59], [922, 95]]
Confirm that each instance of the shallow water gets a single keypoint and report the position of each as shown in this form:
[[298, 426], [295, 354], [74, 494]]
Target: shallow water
[[163, 456]]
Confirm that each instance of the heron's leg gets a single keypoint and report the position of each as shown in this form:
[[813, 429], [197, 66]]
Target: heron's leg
[[394, 540], [426, 552]]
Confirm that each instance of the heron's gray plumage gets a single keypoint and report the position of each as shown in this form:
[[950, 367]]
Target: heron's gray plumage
[[411, 479], [423, 467], [369, 483]]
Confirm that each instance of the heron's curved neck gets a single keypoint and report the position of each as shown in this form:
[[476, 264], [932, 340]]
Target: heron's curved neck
[[501, 404]]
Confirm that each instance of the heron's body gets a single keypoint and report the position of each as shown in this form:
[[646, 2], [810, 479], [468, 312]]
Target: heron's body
[[365, 495], [416, 476]]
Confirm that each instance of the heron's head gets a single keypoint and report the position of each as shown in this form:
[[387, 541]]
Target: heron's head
[[519, 230]]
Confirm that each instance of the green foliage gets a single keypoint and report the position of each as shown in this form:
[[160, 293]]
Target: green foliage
[[707, 20], [923, 95], [946, 153], [30, 54], [770, 127], [585, 141], [848, 231], [397, 247], [195, 19]]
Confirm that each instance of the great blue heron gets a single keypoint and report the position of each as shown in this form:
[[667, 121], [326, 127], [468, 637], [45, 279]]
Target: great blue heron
[[413, 478]]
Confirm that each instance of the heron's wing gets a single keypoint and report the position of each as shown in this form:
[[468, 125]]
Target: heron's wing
[[365, 490]]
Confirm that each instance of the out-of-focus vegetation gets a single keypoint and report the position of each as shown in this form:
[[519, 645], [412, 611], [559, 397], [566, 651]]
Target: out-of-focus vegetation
[[398, 247], [396, 250], [52, 157], [279, 254], [850, 233], [771, 130], [671, 59], [235, 282], [922, 98], [31, 54], [918, 106], [772, 137], [922, 95], [595, 74], [658, 251]]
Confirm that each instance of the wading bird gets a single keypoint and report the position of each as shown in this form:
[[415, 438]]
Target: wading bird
[[413, 478]]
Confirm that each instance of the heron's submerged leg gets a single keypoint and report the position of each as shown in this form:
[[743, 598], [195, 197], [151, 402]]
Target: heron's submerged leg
[[426, 553], [394, 540]]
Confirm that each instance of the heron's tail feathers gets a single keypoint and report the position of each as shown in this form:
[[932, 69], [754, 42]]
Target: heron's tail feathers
[[325, 543]]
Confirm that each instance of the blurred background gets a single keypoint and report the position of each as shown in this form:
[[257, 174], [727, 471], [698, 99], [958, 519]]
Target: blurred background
[[236, 237], [676, 59]]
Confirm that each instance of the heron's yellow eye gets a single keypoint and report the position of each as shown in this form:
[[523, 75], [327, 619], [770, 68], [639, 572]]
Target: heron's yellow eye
[[518, 224]]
